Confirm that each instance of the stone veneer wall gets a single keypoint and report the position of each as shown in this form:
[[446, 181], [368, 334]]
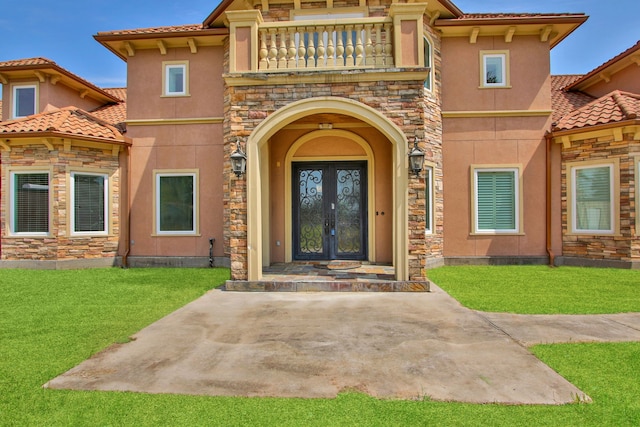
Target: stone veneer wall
[[433, 131], [623, 247], [59, 245], [402, 102]]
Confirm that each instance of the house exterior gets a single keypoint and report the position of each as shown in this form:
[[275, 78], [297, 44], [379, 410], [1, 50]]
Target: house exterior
[[324, 102]]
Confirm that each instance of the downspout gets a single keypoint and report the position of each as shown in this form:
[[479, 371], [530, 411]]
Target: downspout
[[549, 137], [128, 234]]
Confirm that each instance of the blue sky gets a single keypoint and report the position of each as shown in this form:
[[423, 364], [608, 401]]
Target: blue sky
[[63, 30]]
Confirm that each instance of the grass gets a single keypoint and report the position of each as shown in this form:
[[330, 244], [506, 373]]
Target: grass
[[52, 320], [540, 289]]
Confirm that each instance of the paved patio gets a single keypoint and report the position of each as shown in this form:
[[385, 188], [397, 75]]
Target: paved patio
[[389, 345]]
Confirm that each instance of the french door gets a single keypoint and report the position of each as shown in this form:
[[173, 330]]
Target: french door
[[329, 210]]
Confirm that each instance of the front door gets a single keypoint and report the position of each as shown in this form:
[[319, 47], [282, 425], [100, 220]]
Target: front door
[[329, 210]]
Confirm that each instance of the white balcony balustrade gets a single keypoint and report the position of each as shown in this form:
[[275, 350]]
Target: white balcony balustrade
[[326, 45]]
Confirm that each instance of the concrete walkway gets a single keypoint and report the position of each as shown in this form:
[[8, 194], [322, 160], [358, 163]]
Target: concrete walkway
[[405, 346]]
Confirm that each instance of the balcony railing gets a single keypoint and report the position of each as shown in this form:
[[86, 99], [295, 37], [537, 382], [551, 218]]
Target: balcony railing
[[326, 44]]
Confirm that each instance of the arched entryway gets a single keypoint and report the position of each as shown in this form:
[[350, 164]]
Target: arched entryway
[[259, 175]]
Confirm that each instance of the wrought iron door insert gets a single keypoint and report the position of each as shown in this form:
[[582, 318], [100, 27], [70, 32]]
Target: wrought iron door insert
[[329, 210]]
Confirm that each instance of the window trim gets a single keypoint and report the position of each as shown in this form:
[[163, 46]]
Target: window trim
[[518, 202], [157, 174], [11, 206], [14, 98], [166, 66], [71, 203], [428, 47], [504, 54], [614, 165], [430, 185]]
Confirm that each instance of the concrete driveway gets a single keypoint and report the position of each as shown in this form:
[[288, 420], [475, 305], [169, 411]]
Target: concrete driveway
[[401, 346]]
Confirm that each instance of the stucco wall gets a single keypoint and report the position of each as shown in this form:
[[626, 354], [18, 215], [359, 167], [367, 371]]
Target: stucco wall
[[627, 79], [176, 142], [489, 136], [332, 148]]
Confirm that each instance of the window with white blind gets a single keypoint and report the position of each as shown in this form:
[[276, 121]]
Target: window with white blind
[[496, 200], [29, 199], [89, 203], [592, 199], [176, 195]]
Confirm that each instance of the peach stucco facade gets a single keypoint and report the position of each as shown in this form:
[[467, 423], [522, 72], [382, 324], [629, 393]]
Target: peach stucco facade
[[316, 88]]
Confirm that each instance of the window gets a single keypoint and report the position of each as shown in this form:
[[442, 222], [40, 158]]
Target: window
[[428, 209], [29, 201], [496, 200], [176, 199], [24, 101], [428, 62], [176, 79], [592, 199], [89, 207], [494, 67]]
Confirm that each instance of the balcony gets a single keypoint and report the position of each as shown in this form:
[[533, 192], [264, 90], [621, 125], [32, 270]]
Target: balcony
[[328, 44], [394, 41]]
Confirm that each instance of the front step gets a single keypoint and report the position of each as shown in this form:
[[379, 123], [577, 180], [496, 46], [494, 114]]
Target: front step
[[327, 286]]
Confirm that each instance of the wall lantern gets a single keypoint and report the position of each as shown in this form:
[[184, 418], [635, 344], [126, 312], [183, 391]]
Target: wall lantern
[[238, 160], [416, 158]]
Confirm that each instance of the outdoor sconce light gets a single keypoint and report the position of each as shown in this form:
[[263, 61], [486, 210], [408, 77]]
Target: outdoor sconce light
[[238, 160], [416, 158]]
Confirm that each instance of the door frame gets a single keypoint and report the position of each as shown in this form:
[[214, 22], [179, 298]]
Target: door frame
[[288, 190], [330, 197]]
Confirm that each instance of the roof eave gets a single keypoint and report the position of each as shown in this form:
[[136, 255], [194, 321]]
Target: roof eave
[[593, 128], [216, 13], [572, 22], [122, 140], [53, 69], [594, 76], [111, 41]]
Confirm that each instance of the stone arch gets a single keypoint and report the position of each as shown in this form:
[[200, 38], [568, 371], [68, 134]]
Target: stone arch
[[258, 175]]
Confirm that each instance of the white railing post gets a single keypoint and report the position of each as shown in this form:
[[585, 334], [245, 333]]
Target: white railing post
[[311, 49], [331, 50], [302, 49], [273, 50], [291, 53], [368, 46], [340, 50], [321, 49]]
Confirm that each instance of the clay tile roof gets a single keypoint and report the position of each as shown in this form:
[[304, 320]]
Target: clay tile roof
[[563, 101], [114, 114], [153, 30], [26, 61], [70, 121], [616, 106]]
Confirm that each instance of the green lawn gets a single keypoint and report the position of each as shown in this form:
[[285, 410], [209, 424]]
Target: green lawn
[[52, 320], [540, 289]]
